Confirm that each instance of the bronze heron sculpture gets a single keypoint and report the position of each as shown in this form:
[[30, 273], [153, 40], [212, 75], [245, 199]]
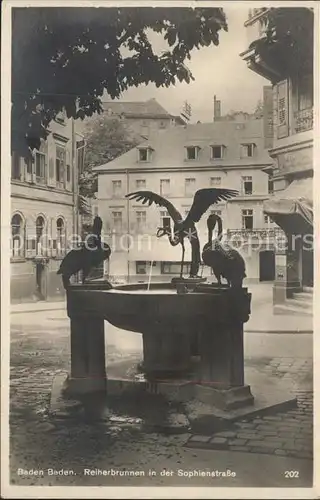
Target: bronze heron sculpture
[[185, 228], [224, 260], [88, 256]]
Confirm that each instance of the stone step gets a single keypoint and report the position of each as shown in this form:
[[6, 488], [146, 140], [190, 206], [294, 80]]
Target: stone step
[[288, 309], [308, 289], [300, 303], [307, 297]]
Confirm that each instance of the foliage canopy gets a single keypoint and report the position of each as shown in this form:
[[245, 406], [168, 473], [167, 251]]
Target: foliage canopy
[[66, 58]]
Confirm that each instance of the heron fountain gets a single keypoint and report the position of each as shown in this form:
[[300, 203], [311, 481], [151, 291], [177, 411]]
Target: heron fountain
[[168, 322]]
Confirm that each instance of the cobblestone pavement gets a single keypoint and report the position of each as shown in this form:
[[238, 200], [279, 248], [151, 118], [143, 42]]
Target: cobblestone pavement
[[287, 433], [39, 442]]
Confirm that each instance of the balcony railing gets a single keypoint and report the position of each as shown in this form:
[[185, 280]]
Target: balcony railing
[[275, 232], [303, 120]]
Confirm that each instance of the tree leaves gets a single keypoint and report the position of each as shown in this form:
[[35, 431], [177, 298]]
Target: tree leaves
[[106, 139], [66, 58]]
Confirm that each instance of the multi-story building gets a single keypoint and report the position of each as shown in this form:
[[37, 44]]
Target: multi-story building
[[44, 212], [292, 148], [176, 163], [140, 118]]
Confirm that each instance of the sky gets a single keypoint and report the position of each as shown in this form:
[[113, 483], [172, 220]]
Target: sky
[[218, 70]]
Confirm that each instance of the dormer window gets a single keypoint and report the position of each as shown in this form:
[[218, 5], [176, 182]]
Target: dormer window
[[144, 154], [61, 117], [247, 150], [216, 152], [192, 152]]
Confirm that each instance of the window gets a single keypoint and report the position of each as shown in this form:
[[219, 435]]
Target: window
[[164, 187], [40, 225], [144, 154], [40, 161], [247, 219], [17, 236], [215, 212], [216, 152], [140, 183], [267, 220], [192, 152], [116, 188], [215, 181], [174, 267], [61, 236], [60, 165], [141, 267], [61, 117], [247, 150], [117, 221], [247, 185], [162, 124], [305, 92], [270, 186], [15, 166], [164, 217], [302, 93], [141, 219], [190, 184]]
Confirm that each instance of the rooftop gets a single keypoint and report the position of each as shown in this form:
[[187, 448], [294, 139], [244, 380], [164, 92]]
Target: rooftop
[[150, 108], [169, 146]]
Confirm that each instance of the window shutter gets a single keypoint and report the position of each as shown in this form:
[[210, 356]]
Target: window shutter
[[45, 152], [68, 164], [282, 108], [33, 169], [53, 234], [51, 173], [62, 167]]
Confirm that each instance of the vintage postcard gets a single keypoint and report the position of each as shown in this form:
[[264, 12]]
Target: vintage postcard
[[158, 236]]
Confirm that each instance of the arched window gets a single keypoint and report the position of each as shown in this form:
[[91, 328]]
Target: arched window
[[17, 236], [61, 236], [40, 225]]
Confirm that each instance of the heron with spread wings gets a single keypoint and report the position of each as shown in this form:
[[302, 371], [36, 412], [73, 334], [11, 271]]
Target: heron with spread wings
[[185, 228]]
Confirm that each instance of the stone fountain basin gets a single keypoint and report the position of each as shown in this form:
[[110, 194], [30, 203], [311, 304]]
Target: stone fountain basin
[[160, 308]]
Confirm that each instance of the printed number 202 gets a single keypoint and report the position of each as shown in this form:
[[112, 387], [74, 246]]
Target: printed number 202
[[291, 473]]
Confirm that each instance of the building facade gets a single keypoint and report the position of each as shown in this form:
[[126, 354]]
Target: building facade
[[176, 163], [140, 118], [44, 212], [292, 150]]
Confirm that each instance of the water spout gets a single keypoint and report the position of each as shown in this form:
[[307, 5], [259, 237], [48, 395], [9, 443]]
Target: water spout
[[150, 275]]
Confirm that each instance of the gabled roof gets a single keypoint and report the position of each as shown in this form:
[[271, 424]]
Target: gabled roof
[[169, 146], [150, 108]]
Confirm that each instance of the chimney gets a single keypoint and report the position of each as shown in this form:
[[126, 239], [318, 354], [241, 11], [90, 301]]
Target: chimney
[[216, 109], [268, 116]]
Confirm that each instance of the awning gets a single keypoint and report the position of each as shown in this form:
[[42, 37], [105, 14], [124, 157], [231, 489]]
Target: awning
[[292, 208]]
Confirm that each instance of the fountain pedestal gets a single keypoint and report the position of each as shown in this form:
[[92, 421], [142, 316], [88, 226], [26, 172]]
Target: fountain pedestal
[[165, 352], [169, 322], [213, 388], [88, 365]]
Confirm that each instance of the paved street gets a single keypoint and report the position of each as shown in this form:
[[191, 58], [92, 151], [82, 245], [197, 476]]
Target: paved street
[[40, 348]]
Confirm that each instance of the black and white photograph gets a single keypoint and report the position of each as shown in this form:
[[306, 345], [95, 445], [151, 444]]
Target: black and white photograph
[[158, 263]]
